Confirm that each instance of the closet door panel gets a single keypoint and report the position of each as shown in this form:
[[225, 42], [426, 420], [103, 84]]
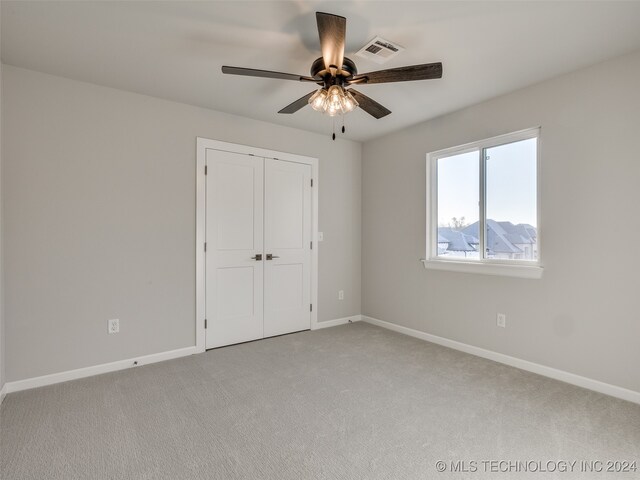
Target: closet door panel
[[235, 277], [287, 235]]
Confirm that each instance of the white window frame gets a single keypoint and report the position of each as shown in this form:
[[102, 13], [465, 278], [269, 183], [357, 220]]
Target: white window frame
[[512, 268]]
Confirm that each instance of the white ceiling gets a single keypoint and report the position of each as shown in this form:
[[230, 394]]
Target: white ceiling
[[174, 50]]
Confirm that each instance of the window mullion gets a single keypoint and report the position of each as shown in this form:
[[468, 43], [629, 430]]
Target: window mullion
[[482, 225], [433, 211]]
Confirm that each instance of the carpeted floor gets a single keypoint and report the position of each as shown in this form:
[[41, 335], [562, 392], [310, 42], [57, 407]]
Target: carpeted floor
[[350, 402]]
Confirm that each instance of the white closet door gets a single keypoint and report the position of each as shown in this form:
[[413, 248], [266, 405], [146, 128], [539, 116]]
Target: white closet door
[[287, 247], [234, 233]]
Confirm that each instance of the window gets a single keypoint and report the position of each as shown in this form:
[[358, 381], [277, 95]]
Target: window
[[482, 207]]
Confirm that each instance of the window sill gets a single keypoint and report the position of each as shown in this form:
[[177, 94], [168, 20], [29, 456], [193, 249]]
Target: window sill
[[500, 269]]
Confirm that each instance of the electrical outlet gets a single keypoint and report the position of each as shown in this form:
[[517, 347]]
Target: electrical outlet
[[341, 295], [113, 325], [501, 320]]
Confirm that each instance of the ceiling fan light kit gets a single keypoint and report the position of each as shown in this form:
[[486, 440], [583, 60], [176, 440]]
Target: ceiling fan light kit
[[334, 101], [334, 72]]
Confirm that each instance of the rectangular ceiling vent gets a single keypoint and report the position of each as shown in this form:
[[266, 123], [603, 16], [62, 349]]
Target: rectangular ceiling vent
[[379, 50]]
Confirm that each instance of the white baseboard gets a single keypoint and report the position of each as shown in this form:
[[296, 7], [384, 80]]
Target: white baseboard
[[34, 382], [336, 322], [584, 382], [44, 380]]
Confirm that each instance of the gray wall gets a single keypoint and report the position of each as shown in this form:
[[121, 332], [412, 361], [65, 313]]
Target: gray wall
[[2, 336], [583, 315], [99, 197]]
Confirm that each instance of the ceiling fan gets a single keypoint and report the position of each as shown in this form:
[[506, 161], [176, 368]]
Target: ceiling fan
[[336, 74]]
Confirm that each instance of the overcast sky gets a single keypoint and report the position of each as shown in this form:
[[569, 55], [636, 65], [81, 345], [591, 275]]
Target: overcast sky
[[511, 185]]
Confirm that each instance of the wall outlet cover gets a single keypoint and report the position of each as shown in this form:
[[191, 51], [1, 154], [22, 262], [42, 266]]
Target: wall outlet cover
[[113, 325]]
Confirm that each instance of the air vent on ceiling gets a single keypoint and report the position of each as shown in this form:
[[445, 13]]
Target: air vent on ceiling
[[379, 50]]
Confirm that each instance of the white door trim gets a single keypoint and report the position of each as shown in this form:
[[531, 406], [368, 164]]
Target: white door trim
[[204, 144]]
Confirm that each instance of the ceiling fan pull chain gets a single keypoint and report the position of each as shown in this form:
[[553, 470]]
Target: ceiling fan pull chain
[[343, 129], [334, 129]]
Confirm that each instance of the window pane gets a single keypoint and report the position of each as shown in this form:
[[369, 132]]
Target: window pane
[[511, 230], [458, 195]]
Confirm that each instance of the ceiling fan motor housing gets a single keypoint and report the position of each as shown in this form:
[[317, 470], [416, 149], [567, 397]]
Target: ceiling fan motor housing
[[318, 70]]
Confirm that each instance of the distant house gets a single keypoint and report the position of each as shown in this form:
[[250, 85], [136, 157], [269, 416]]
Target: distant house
[[504, 241], [456, 243]]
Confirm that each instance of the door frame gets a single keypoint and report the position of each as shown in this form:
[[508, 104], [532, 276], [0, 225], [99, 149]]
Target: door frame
[[204, 144]]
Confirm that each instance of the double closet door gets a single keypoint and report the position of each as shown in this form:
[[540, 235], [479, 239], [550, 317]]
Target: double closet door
[[258, 258]]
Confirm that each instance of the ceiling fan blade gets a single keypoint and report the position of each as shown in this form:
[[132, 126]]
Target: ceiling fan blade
[[370, 106], [332, 30], [425, 71], [298, 104], [252, 72]]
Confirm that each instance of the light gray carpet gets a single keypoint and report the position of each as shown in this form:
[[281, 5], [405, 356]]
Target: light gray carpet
[[350, 402]]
